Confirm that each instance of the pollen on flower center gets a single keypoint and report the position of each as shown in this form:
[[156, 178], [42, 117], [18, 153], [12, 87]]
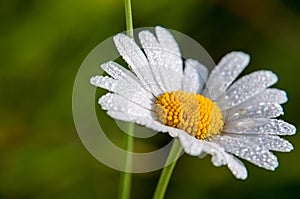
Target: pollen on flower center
[[193, 113]]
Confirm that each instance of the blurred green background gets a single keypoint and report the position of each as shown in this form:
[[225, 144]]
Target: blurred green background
[[42, 46]]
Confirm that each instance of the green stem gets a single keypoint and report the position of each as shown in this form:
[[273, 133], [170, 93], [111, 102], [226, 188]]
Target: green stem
[[167, 171], [128, 16], [126, 177]]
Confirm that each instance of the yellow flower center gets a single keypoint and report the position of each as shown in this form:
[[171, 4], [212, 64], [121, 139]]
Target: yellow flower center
[[193, 113]]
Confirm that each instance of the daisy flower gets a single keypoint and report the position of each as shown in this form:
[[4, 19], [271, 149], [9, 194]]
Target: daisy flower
[[209, 113]]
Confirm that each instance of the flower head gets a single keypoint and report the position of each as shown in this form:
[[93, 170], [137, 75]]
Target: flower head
[[214, 114]]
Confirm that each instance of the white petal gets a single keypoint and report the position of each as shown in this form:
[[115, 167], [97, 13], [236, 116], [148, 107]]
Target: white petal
[[136, 59], [130, 90], [260, 126], [147, 121], [271, 142], [262, 110], [237, 168], [249, 151], [227, 70], [190, 144], [196, 147], [195, 75], [119, 72], [118, 103], [169, 44], [121, 109], [161, 60], [246, 87], [269, 95], [152, 49]]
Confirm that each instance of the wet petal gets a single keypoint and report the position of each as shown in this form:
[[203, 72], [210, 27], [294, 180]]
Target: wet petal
[[169, 44], [269, 95], [162, 62], [195, 75], [249, 151], [260, 126], [246, 87], [262, 110], [130, 90], [227, 70], [271, 142], [138, 62], [116, 102]]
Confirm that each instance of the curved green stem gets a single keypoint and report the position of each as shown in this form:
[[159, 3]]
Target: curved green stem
[[126, 177], [167, 171]]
